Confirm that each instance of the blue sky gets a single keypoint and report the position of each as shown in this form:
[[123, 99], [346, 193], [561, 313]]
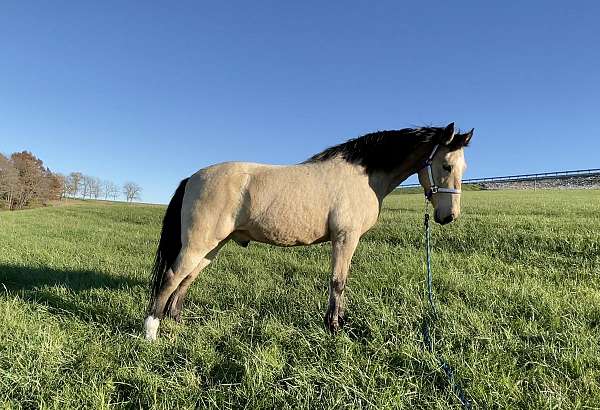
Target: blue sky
[[153, 92]]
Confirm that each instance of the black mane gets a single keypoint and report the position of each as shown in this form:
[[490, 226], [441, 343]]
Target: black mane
[[381, 150]]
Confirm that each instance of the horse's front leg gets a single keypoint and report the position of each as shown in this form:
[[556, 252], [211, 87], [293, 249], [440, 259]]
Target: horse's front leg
[[343, 246]]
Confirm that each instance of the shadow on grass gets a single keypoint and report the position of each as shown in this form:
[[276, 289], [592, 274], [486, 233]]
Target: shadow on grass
[[84, 294], [18, 278]]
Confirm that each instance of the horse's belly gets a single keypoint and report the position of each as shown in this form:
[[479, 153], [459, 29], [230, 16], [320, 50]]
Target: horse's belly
[[280, 238], [287, 228]]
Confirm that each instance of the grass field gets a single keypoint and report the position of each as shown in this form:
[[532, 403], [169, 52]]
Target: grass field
[[516, 281]]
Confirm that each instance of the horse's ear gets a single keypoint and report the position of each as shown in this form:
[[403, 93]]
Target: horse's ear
[[448, 134], [466, 138]]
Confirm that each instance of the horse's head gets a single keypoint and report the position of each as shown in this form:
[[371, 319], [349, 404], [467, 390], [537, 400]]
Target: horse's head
[[442, 174]]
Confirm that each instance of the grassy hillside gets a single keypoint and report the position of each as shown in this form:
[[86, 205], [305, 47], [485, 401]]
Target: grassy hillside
[[516, 280]]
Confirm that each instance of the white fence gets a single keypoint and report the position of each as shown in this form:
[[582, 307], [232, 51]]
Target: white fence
[[582, 178]]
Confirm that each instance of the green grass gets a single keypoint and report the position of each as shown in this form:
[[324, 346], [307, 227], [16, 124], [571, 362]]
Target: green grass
[[516, 281]]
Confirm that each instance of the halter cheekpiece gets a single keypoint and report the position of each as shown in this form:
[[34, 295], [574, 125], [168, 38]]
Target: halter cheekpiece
[[434, 189]]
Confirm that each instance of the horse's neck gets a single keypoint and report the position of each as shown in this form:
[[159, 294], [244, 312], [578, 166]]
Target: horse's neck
[[384, 183]]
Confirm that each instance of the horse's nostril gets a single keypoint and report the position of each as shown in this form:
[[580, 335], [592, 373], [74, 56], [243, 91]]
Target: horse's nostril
[[447, 219]]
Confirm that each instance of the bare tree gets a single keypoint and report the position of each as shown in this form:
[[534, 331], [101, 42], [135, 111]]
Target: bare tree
[[132, 191], [73, 184], [9, 182], [65, 186], [86, 183], [95, 187], [111, 190]]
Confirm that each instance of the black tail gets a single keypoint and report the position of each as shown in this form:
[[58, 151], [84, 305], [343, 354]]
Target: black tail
[[170, 241]]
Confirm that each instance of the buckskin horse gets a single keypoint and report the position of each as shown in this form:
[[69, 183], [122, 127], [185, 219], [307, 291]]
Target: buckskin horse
[[335, 196]]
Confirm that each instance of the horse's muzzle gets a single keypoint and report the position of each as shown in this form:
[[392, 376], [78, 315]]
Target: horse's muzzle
[[444, 221]]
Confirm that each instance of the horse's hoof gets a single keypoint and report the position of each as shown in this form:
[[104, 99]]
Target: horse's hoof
[[175, 314], [333, 325], [341, 320]]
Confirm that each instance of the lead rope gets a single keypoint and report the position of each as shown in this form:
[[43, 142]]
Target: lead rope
[[429, 321]]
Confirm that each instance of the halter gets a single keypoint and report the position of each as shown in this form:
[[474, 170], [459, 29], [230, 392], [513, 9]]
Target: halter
[[434, 189]]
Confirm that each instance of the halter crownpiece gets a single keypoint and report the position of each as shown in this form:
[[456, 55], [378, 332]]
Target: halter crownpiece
[[433, 188]]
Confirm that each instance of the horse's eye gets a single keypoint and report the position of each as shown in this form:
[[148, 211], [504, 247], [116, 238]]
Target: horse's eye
[[447, 168]]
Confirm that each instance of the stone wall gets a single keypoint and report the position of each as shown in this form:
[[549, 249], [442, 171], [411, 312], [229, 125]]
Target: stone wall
[[566, 182]]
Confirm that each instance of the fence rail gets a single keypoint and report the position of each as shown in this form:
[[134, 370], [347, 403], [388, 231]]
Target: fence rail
[[527, 177]]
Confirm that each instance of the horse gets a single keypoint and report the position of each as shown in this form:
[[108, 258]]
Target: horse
[[335, 195]]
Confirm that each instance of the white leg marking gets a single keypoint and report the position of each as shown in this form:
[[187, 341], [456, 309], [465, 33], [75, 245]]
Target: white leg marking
[[151, 326]]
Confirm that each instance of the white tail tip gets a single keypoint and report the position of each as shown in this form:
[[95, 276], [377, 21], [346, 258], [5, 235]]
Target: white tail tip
[[151, 327]]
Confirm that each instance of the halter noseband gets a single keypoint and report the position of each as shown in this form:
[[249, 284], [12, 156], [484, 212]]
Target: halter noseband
[[434, 189]]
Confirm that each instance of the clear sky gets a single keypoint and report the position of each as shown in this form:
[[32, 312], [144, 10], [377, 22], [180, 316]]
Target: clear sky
[[153, 92]]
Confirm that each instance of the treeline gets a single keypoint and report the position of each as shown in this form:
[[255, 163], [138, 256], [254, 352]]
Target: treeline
[[25, 182]]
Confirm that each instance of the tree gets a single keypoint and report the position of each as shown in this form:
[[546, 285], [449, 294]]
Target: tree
[[110, 190], [9, 182], [95, 187], [86, 183], [65, 187], [33, 178], [56, 186], [73, 184], [132, 191]]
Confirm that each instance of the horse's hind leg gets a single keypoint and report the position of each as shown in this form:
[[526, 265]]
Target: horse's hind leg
[[175, 303], [343, 246], [187, 262]]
